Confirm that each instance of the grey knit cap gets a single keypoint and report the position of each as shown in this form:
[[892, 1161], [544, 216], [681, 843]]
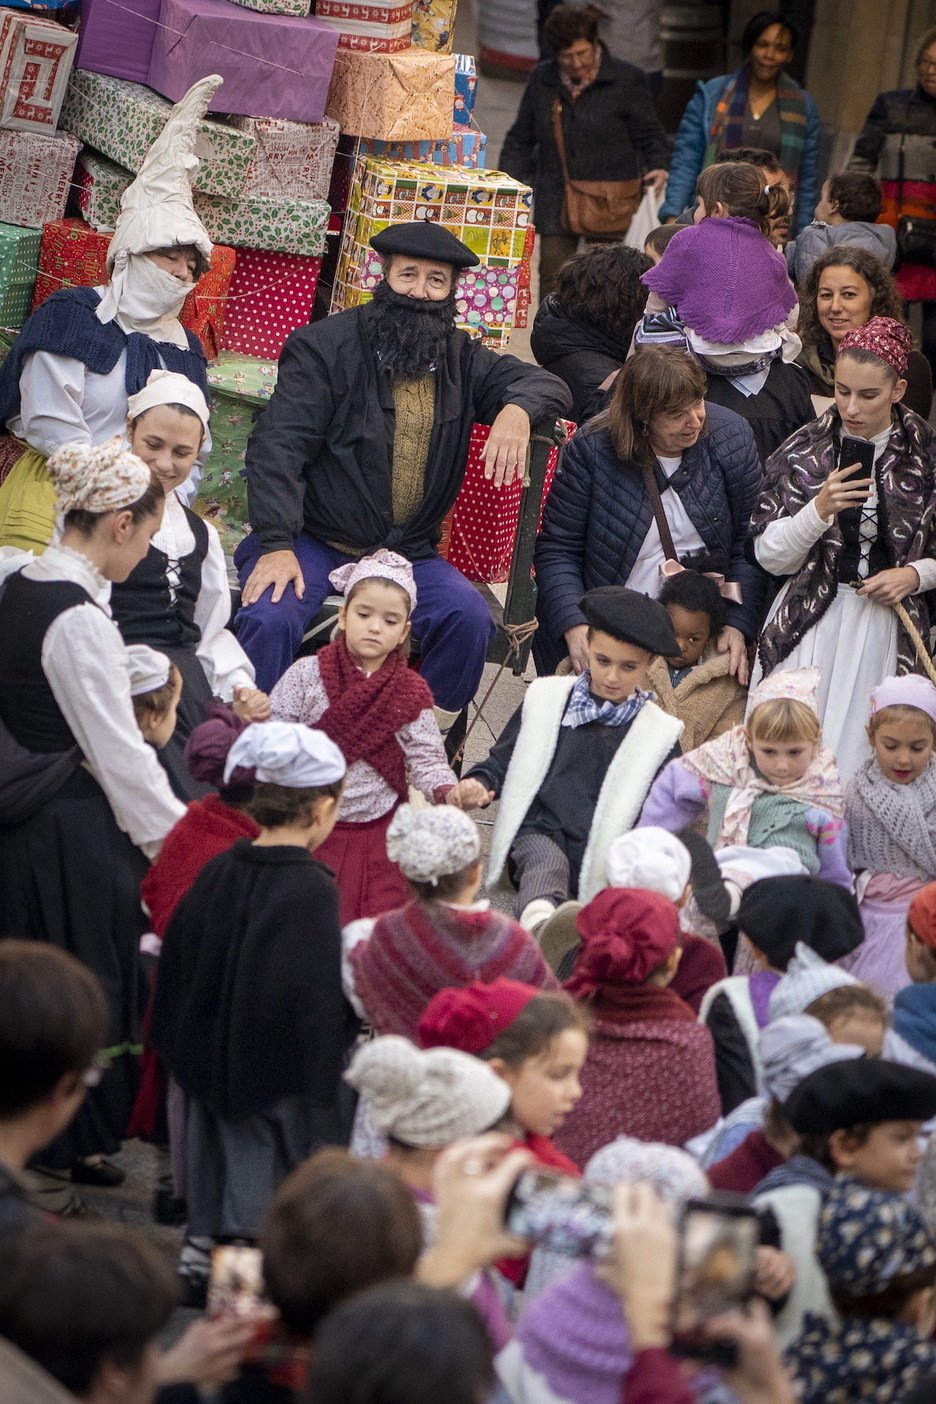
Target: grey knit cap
[[672, 1172], [426, 1098], [427, 844]]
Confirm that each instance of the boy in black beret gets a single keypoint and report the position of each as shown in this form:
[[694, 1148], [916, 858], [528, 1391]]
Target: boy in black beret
[[573, 766]]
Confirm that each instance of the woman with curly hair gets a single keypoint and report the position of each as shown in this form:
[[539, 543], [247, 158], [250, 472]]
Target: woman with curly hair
[[845, 288], [583, 330]]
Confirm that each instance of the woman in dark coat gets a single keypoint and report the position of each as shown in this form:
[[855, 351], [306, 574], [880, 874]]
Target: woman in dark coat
[[599, 527], [583, 330], [609, 126], [900, 132]]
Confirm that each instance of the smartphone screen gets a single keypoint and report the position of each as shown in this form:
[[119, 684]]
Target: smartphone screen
[[236, 1284], [571, 1216], [860, 451], [717, 1264]]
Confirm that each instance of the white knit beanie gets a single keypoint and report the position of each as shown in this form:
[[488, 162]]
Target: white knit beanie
[[426, 1098], [672, 1172], [427, 844], [808, 976], [651, 858]]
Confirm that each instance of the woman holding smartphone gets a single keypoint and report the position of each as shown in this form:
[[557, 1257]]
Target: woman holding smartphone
[[848, 514]]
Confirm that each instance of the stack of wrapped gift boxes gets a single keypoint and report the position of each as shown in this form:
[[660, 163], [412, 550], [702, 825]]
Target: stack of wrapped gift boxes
[[325, 128]]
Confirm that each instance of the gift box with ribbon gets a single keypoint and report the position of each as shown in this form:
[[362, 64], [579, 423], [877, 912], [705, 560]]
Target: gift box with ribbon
[[35, 176], [122, 120], [433, 24], [99, 184], [393, 97], [272, 65], [117, 38], [270, 295], [463, 148], [240, 387], [19, 256], [72, 254], [466, 89], [36, 57], [375, 27], [291, 160], [258, 222]]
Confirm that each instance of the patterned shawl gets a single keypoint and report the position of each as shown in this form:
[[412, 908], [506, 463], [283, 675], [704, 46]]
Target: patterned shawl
[[891, 827], [793, 476], [727, 130], [727, 761]]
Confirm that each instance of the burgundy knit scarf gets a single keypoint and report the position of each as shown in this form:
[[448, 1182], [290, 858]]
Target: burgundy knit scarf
[[366, 710], [639, 1004]]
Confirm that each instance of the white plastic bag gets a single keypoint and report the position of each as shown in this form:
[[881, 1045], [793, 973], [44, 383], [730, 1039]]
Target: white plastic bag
[[645, 220]]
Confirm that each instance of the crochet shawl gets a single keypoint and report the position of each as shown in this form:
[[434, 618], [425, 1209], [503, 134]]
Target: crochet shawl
[[66, 325], [891, 827], [727, 130], [794, 475], [420, 949], [575, 1336], [727, 761], [366, 710]]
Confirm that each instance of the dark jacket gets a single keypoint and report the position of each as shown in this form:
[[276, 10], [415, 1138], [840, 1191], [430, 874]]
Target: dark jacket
[[907, 119], [611, 132], [579, 353], [598, 514], [320, 457], [775, 412]]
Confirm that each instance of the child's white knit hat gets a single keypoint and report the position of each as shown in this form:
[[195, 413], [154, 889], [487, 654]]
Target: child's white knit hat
[[808, 976], [427, 844]]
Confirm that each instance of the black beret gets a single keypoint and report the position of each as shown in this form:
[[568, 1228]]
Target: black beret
[[777, 912], [423, 239], [857, 1092], [631, 618]]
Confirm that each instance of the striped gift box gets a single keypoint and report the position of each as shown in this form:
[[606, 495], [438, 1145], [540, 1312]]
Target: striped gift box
[[375, 28]]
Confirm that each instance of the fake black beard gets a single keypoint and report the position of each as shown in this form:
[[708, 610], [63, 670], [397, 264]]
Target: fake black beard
[[410, 334]]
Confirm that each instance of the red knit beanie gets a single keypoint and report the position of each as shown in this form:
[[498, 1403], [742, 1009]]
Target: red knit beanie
[[626, 932], [471, 1018], [922, 915]]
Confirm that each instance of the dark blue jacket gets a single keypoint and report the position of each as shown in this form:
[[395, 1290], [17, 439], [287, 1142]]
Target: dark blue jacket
[[598, 514]]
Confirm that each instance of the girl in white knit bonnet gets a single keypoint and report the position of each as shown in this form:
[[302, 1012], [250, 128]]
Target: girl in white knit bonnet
[[890, 808]]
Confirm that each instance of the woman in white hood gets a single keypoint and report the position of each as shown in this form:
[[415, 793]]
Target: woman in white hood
[[86, 350]]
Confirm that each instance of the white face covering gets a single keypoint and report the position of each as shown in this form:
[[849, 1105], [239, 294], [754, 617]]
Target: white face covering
[[142, 297]]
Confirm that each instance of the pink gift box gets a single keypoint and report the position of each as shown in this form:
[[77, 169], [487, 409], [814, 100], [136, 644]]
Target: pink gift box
[[116, 37], [36, 58], [272, 65], [270, 295]]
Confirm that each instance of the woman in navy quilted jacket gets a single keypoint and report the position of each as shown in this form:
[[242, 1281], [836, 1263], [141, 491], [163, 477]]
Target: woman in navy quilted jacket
[[599, 526]]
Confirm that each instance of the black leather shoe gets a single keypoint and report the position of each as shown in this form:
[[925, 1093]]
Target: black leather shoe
[[97, 1172]]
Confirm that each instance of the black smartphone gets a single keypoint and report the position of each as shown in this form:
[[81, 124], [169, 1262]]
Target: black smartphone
[[236, 1284], [718, 1240], [570, 1216], [859, 451]]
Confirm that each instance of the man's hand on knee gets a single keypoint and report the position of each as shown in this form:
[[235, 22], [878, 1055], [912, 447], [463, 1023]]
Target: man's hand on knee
[[469, 794], [276, 568], [504, 454]]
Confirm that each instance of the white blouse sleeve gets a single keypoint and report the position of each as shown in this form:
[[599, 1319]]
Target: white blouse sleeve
[[783, 545], [225, 663], [85, 663], [51, 394], [926, 570]]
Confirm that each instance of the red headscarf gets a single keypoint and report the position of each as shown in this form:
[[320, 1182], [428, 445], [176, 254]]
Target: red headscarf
[[922, 914], [627, 932], [885, 338], [471, 1018]]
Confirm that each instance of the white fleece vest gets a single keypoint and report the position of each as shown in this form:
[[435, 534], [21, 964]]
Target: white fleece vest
[[652, 736], [738, 991]]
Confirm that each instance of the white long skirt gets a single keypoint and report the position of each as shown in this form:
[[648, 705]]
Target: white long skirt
[[854, 646]]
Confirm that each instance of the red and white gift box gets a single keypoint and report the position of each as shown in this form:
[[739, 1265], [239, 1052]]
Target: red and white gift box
[[270, 295], [376, 27], [35, 176], [478, 534], [292, 160], [36, 57]]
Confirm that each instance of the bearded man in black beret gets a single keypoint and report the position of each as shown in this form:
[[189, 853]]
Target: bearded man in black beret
[[363, 445]]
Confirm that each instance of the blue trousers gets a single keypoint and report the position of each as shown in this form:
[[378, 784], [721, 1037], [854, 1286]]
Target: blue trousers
[[451, 620]]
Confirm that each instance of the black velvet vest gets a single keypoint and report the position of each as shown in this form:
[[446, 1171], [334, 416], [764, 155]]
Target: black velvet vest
[[27, 702], [142, 605]]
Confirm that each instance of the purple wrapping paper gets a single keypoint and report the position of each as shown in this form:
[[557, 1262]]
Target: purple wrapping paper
[[272, 65], [113, 40]]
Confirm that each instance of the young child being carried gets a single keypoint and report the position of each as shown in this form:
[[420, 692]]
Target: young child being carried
[[362, 693], [696, 685], [890, 805], [443, 936], [767, 784], [573, 765]]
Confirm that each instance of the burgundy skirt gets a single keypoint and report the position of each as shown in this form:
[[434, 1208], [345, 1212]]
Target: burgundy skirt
[[368, 883]]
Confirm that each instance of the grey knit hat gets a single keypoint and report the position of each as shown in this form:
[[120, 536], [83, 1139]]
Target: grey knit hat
[[427, 844], [426, 1098]]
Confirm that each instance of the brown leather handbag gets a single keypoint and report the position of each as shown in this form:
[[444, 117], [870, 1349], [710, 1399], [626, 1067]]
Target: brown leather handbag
[[598, 209]]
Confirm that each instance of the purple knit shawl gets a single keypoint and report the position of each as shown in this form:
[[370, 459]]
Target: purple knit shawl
[[725, 280], [574, 1335]]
